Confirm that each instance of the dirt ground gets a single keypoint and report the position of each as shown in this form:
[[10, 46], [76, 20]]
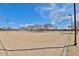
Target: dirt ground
[[23, 43]]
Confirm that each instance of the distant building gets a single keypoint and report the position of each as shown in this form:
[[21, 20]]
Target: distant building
[[30, 28], [38, 27], [50, 27]]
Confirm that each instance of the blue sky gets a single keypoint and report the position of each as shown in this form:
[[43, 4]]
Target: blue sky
[[20, 14]]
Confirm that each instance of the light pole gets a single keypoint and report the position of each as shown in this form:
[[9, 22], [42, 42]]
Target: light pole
[[7, 24], [75, 29], [71, 22], [70, 19]]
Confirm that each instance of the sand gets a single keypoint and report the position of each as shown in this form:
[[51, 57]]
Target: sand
[[24, 43]]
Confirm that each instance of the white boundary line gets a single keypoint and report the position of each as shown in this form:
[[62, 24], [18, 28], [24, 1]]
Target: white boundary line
[[3, 47], [64, 52]]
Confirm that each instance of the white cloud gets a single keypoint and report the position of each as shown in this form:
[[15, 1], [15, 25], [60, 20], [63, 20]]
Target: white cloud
[[58, 14], [54, 11], [41, 10], [24, 25], [11, 23]]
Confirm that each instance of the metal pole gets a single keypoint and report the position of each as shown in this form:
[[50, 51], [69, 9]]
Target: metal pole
[[7, 23], [75, 29], [71, 21], [71, 24]]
